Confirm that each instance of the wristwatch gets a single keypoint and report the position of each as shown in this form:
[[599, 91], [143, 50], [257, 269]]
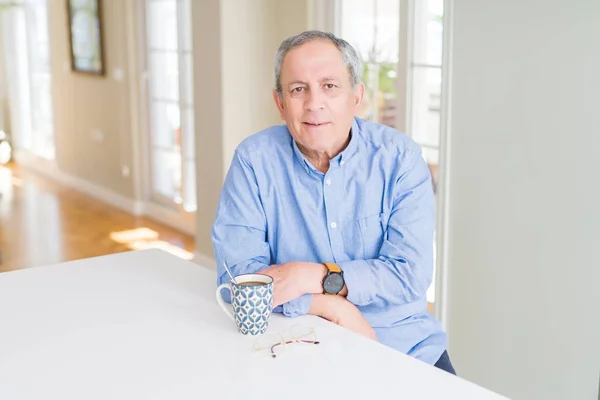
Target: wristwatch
[[333, 283]]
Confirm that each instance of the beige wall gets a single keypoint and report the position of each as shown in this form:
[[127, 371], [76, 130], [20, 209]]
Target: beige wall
[[249, 39], [293, 16], [235, 68], [208, 116], [85, 103]]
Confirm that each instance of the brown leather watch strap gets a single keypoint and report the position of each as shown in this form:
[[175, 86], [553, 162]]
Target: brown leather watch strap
[[332, 267]]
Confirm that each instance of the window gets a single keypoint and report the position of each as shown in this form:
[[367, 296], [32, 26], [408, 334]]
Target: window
[[425, 76], [171, 115], [400, 44], [27, 64], [42, 129], [372, 27]]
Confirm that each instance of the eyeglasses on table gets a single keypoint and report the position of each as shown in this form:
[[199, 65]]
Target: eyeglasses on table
[[276, 343]]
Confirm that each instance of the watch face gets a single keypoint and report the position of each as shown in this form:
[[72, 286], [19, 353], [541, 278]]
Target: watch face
[[333, 283]]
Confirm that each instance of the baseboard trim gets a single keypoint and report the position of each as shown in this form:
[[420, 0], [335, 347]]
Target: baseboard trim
[[205, 261], [50, 170]]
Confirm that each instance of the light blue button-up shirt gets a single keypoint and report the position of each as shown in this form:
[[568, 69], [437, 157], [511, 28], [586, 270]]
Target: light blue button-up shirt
[[372, 213]]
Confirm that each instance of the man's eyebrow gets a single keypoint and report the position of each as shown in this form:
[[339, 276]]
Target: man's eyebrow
[[296, 83], [325, 79]]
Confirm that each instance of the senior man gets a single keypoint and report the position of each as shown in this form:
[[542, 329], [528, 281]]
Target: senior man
[[337, 209]]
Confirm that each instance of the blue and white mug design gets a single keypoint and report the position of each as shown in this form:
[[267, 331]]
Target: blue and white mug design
[[251, 302]]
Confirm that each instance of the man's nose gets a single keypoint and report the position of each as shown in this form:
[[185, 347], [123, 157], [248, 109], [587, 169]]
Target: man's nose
[[315, 100]]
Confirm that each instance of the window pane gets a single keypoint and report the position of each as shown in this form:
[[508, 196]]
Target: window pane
[[164, 75], [41, 111], [428, 32], [162, 24], [187, 91], [42, 57], [166, 173], [39, 9], [188, 141], [185, 11], [42, 131], [432, 157], [372, 27], [165, 120], [425, 122], [171, 100], [189, 198], [386, 94]]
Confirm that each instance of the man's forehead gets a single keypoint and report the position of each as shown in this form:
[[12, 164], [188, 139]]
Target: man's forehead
[[319, 59]]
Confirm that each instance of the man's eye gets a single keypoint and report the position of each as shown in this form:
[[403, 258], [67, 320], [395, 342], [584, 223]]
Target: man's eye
[[329, 85], [297, 90]]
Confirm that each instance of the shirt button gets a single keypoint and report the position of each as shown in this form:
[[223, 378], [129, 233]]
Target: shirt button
[[328, 182], [342, 162], [333, 225]]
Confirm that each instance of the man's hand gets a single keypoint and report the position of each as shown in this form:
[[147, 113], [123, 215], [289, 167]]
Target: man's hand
[[293, 279], [341, 312]]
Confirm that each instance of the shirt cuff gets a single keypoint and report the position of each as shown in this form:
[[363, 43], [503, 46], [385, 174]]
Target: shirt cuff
[[360, 281], [297, 307]]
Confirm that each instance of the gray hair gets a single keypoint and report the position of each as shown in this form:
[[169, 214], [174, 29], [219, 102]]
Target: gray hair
[[349, 55]]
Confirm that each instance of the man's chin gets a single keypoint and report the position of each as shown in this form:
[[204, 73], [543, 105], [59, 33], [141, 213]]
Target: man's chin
[[319, 141], [316, 133], [318, 147]]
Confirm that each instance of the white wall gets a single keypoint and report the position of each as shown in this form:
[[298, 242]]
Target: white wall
[[524, 211]]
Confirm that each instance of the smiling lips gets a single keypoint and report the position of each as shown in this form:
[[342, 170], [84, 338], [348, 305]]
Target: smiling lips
[[315, 124]]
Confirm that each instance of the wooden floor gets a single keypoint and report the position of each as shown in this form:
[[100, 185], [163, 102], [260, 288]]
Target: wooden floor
[[42, 223]]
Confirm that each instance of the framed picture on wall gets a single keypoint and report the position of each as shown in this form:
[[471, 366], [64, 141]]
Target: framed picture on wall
[[85, 35]]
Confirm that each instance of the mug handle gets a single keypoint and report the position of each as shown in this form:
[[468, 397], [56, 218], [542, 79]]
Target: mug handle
[[226, 308]]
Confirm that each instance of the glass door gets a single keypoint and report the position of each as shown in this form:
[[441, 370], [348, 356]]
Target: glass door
[[425, 76], [171, 155], [27, 65], [373, 28], [42, 128]]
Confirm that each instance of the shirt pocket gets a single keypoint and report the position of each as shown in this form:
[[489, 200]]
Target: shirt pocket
[[372, 231]]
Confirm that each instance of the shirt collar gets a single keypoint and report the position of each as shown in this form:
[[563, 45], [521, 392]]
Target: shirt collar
[[350, 150], [302, 158], [338, 160]]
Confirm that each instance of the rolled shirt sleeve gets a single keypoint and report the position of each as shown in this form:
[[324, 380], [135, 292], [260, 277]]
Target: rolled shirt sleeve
[[403, 270]]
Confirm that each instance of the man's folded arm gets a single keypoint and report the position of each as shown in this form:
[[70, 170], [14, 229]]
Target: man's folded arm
[[239, 231], [403, 270]]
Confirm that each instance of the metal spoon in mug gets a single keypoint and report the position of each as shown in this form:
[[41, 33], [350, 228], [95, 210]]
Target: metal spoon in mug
[[229, 272]]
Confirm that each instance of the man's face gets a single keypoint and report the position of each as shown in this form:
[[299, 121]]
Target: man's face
[[318, 103]]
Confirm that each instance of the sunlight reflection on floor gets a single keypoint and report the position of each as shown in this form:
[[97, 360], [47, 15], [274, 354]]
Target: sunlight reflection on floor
[[145, 238]]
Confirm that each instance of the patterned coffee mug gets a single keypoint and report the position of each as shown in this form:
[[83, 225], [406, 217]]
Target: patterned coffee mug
[[251, 302]]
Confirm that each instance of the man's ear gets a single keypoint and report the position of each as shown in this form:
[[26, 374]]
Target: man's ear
[[359, 95], [279, 103]]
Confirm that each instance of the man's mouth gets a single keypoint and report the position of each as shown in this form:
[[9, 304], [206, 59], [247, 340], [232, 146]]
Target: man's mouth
[[315, 123]]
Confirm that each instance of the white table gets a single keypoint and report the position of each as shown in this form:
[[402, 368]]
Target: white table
[[146, 325]]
